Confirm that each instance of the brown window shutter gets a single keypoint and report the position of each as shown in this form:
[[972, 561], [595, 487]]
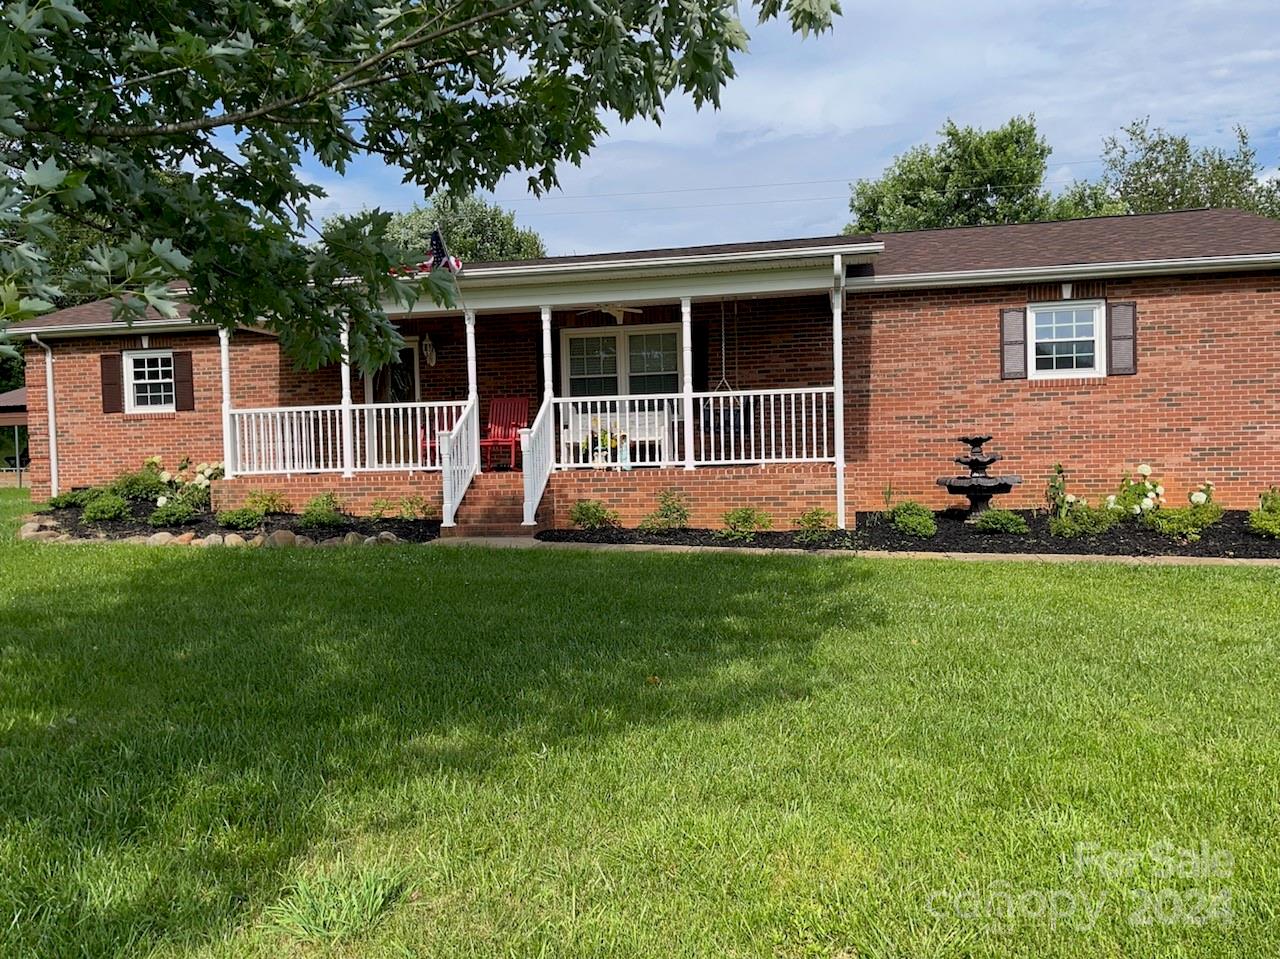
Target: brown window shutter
[[184, 389], [1013, 344], [112, 383], [1122, 339]]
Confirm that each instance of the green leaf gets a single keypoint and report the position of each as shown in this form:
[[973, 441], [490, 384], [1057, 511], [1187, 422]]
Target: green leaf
[[46, 176]]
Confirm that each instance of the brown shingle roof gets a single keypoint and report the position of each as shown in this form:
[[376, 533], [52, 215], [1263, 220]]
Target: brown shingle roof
[[85, 314], [14, 399], [1184, 234]]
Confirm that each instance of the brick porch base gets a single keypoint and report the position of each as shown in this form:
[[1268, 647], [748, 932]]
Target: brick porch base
[[356, 494]]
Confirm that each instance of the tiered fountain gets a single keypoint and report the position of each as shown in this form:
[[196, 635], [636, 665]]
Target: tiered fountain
[[978, 486]]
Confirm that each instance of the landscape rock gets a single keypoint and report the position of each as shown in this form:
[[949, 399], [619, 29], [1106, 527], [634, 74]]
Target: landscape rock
[[304, 541], [333, 541], [28, 530], [233, 539], [138, 540], [184, 539], [213, 539], [386, 536], [353, 539], [160, 539], [371, 541], [281, 538], [258, 540]]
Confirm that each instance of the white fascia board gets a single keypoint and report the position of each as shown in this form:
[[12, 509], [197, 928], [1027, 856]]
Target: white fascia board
[[674, 261], [111, 329], [652, 289], [1070, 271]]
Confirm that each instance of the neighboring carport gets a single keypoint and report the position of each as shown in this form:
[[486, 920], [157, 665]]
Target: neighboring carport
[[14, 454]]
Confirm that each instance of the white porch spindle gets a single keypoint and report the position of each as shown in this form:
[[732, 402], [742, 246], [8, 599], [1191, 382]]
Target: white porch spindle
[[228, 440], [837, 379], [686, 334], [348, 427], [473, 391]]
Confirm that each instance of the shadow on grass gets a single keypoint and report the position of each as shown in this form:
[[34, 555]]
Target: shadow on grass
[[183, 725]]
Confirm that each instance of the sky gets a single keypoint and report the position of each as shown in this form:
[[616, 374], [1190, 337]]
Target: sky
[[805, 117]]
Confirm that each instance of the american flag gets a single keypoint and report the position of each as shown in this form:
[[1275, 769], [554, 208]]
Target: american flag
[[440, 256]]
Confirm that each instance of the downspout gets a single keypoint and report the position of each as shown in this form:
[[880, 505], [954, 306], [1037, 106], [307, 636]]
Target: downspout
[[53, 416]]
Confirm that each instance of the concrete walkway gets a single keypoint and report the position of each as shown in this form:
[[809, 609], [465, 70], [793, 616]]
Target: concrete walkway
[[528, 542]]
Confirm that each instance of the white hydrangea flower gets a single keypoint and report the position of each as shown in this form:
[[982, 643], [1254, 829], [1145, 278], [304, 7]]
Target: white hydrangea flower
[[1159, 490], [166, 477], [202, 468], [1198, 498], [1209, 483], [162, 500], [1144, 470], [1137, 510], [1071, 497], [1147, 505], [1111, 500], [1084, 501]]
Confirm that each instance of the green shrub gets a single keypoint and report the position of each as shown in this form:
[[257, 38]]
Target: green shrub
[[1269, 502], [195, 496], [1265, 522], [814, 526], [380, 508], [1084, 521], [246, 517], [1000, 521], [268, 504], [322, 510], [176, 511], [914, 519], [145, 484], [105, 506], [75, 497], [742, 524], [672, 513], [592, 514], [415, 507], [1186, 523]]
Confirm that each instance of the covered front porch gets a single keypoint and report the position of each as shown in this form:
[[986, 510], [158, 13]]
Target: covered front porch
[[718, 378]]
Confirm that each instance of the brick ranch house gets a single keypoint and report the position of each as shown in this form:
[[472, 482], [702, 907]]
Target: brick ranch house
[[784, 375]]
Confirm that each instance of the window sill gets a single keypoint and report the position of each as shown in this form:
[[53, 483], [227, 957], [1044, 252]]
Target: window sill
[[157, 415], [1092, 379]]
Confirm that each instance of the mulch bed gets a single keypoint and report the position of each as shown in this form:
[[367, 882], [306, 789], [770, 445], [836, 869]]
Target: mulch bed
[[408, 530], [1228, 538]]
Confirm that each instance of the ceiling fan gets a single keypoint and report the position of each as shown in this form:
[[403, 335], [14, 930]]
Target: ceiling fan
[[616, 310]]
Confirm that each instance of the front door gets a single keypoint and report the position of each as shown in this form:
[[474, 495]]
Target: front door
[[392, 427]]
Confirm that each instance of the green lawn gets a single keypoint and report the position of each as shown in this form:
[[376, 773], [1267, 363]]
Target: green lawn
[[413, 751]]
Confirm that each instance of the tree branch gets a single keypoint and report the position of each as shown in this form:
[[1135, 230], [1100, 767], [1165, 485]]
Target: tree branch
[[339, 84]]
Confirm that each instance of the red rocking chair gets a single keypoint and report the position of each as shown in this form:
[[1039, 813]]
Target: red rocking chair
[[508, 415]]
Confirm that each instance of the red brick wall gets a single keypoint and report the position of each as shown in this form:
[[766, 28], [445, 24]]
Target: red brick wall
[[922, 367], [356, 494], [784, 491]]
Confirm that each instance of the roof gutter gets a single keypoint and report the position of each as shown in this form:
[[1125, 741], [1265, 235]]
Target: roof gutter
[[1066, 271], [52, 414]]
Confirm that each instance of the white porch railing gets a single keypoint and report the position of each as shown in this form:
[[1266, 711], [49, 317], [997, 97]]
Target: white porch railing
[[537, 449], [733, 427], [308, 439], [623, 431], [296, 439], [764, 426], [402, 436], [460, 459]]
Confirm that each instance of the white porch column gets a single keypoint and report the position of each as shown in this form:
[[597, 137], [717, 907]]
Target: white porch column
[[686, 344], [473, 391], [837, 380], [229, 461], [548, 390], [348, 425]]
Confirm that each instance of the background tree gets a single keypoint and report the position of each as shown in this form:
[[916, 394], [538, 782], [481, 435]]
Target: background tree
[[182, 127], [474, 230], [972, 177], [1149, 170]]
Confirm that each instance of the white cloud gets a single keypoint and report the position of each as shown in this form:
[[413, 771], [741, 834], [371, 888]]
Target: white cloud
[[838, 107]]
